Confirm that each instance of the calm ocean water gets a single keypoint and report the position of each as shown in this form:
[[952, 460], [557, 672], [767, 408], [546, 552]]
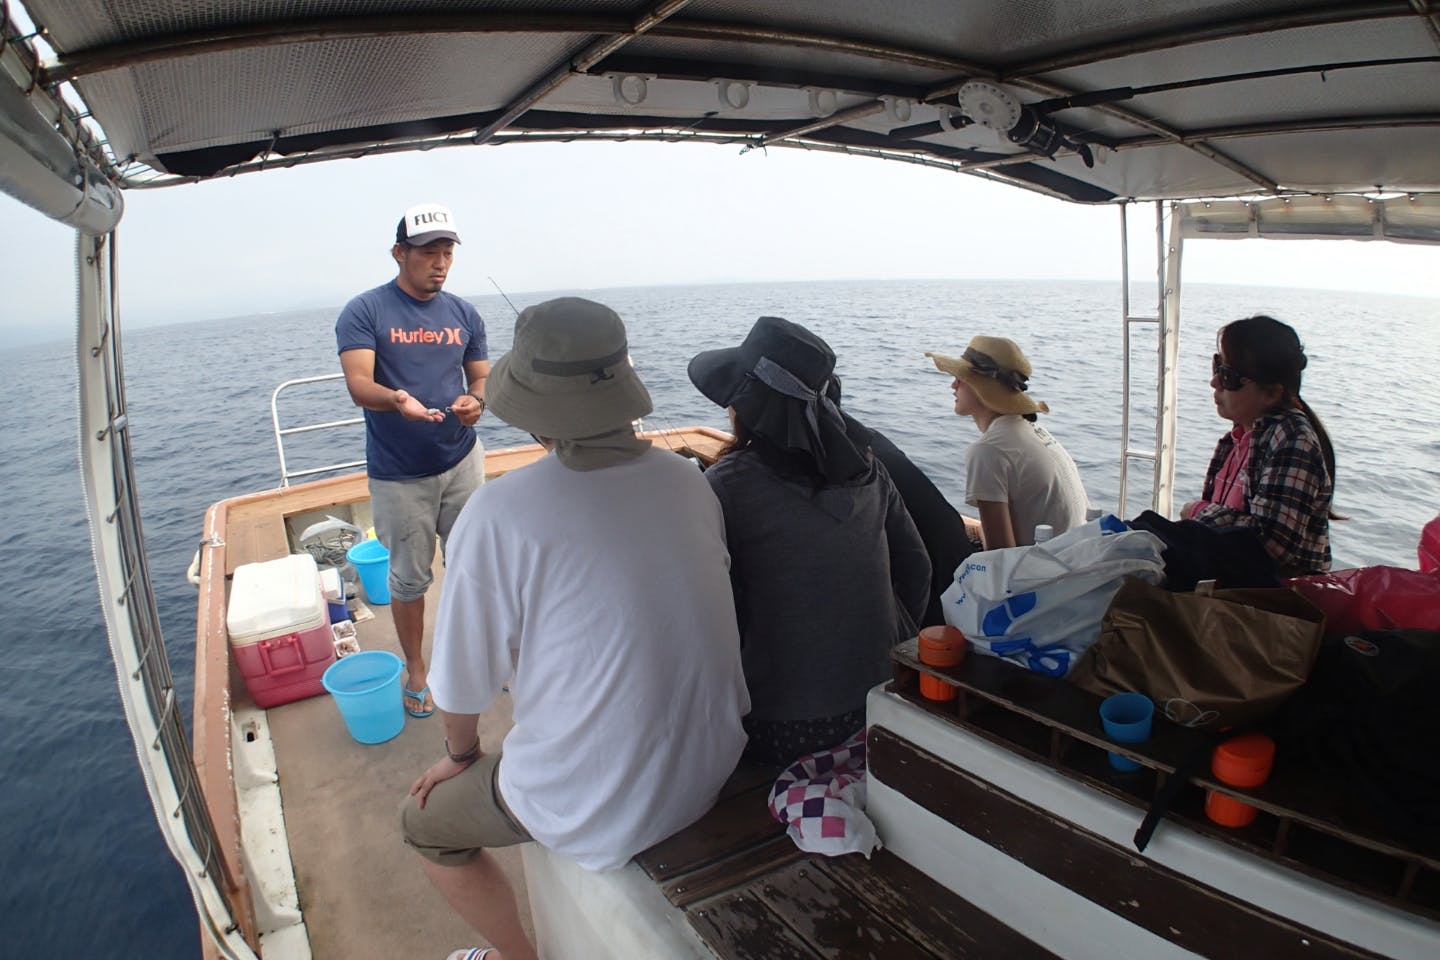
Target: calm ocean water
[[86, 873]]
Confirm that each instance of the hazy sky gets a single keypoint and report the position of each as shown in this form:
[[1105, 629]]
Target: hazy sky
[[592, 215]]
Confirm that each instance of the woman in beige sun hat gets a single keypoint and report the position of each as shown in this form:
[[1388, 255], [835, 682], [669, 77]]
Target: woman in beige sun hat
[[1017, 475]]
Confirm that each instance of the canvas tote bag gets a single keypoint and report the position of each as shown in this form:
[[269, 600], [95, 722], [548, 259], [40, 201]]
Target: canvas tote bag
[[1227, 658]]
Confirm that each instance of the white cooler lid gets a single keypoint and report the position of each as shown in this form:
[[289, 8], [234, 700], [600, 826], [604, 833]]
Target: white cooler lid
[[274, 598]]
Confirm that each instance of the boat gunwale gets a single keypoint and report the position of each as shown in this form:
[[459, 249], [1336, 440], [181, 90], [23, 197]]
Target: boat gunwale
[[1165, 754]]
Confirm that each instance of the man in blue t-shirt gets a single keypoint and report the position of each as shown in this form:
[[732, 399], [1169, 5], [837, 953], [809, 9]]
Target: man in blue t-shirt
[[415, 359]]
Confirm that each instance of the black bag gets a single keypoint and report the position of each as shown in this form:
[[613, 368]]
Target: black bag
[[1234, 557], [1368, 715]]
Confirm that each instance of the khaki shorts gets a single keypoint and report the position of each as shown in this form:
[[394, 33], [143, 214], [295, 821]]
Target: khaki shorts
[[462, 816], [409, 514]]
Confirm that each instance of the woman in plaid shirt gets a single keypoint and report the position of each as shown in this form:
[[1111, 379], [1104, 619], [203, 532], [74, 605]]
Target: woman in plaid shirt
[[1274, 471]]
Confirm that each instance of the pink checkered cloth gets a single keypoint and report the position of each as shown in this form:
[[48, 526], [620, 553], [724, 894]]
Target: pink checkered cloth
[[821, 798]]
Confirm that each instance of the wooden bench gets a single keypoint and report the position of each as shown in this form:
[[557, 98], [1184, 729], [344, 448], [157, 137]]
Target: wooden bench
[[749, 892]]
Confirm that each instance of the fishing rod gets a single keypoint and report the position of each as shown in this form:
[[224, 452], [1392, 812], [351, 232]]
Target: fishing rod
[[503, 294], [447, 410]]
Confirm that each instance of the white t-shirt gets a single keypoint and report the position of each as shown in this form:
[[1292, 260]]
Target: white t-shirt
[[1019, 463], [607, 594]]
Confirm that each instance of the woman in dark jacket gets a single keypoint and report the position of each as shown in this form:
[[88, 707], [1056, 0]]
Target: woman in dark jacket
[[1274, 470], [828, 569]]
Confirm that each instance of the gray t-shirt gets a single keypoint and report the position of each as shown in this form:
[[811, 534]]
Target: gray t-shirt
[[817, 577], [1019, 463]]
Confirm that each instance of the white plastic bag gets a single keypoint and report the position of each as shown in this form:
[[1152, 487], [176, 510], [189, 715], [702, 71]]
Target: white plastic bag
[[1040, 606]]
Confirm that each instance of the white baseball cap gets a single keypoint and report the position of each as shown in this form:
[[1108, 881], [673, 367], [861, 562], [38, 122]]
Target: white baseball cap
[[425, 223]]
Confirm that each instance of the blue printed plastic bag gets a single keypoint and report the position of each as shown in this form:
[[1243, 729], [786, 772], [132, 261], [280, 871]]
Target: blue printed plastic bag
[[1041, 606]]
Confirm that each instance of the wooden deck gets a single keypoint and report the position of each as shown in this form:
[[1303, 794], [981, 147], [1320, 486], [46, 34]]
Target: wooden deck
[[751, 894], [361, 891], [851, 907]]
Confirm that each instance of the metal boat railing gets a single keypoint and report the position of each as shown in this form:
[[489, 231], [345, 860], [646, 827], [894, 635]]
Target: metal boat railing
[[127, 601], [192, 573], [286, 474]]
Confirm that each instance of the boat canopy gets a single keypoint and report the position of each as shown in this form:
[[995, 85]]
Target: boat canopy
[[1092, 102]]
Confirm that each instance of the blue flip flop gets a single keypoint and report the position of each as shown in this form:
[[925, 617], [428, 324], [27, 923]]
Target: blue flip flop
[[420, 696]]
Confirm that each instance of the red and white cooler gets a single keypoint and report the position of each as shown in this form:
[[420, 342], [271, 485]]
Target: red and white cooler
[[280, 629]]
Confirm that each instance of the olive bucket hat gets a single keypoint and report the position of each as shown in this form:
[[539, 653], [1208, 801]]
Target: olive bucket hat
[[568, 374]]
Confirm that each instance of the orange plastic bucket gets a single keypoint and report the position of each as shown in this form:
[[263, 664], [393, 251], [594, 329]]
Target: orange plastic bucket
[[942, 646], [1229, 812], [1245, 761]]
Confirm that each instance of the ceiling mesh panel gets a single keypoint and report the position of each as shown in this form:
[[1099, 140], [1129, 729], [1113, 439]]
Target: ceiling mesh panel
[[295, 89], [82, 24], [244, 82]]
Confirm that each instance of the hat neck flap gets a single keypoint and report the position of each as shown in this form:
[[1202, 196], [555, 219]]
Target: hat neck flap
[[782, 409], [601, 451]]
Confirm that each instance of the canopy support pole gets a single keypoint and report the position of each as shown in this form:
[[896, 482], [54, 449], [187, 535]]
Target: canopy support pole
[[1166, 320]]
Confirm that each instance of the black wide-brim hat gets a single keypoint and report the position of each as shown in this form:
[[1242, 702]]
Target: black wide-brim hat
[[719, 374], [779, 383]]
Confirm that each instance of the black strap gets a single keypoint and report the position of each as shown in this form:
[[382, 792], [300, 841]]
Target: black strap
[[1193, 761]]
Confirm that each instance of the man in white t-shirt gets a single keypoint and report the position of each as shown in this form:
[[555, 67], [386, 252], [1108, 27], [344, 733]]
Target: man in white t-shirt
[[1017, 475], [599, 577]]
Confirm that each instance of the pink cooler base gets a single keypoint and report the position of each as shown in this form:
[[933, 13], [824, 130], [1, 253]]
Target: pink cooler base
[[288, 667]]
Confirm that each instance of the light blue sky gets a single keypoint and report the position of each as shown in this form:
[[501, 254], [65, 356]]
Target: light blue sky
[[550, 216]]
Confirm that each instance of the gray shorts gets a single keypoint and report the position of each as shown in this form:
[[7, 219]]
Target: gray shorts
[[409, 514], [462, 816]]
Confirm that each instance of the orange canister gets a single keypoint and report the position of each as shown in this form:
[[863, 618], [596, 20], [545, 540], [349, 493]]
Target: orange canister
[[942, 646], [1244, 761]]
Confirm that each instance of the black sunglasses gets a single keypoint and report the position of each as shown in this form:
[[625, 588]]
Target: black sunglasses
[[1227, 376]]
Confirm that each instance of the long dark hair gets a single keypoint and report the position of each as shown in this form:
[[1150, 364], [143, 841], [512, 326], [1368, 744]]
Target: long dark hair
[[795, 466], [1270, 352]]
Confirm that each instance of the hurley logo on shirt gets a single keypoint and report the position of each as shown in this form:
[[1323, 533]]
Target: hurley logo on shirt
[[448, 336]]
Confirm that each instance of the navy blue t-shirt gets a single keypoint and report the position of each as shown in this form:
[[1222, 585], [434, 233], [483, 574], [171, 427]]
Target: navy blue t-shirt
[[420, 347]]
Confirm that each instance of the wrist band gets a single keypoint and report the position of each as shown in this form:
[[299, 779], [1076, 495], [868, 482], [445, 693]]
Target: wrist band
[[469, 756], [481, 401]]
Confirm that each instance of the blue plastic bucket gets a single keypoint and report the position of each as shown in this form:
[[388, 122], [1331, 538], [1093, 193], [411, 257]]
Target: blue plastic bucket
[[372, 562], [366, 688]]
